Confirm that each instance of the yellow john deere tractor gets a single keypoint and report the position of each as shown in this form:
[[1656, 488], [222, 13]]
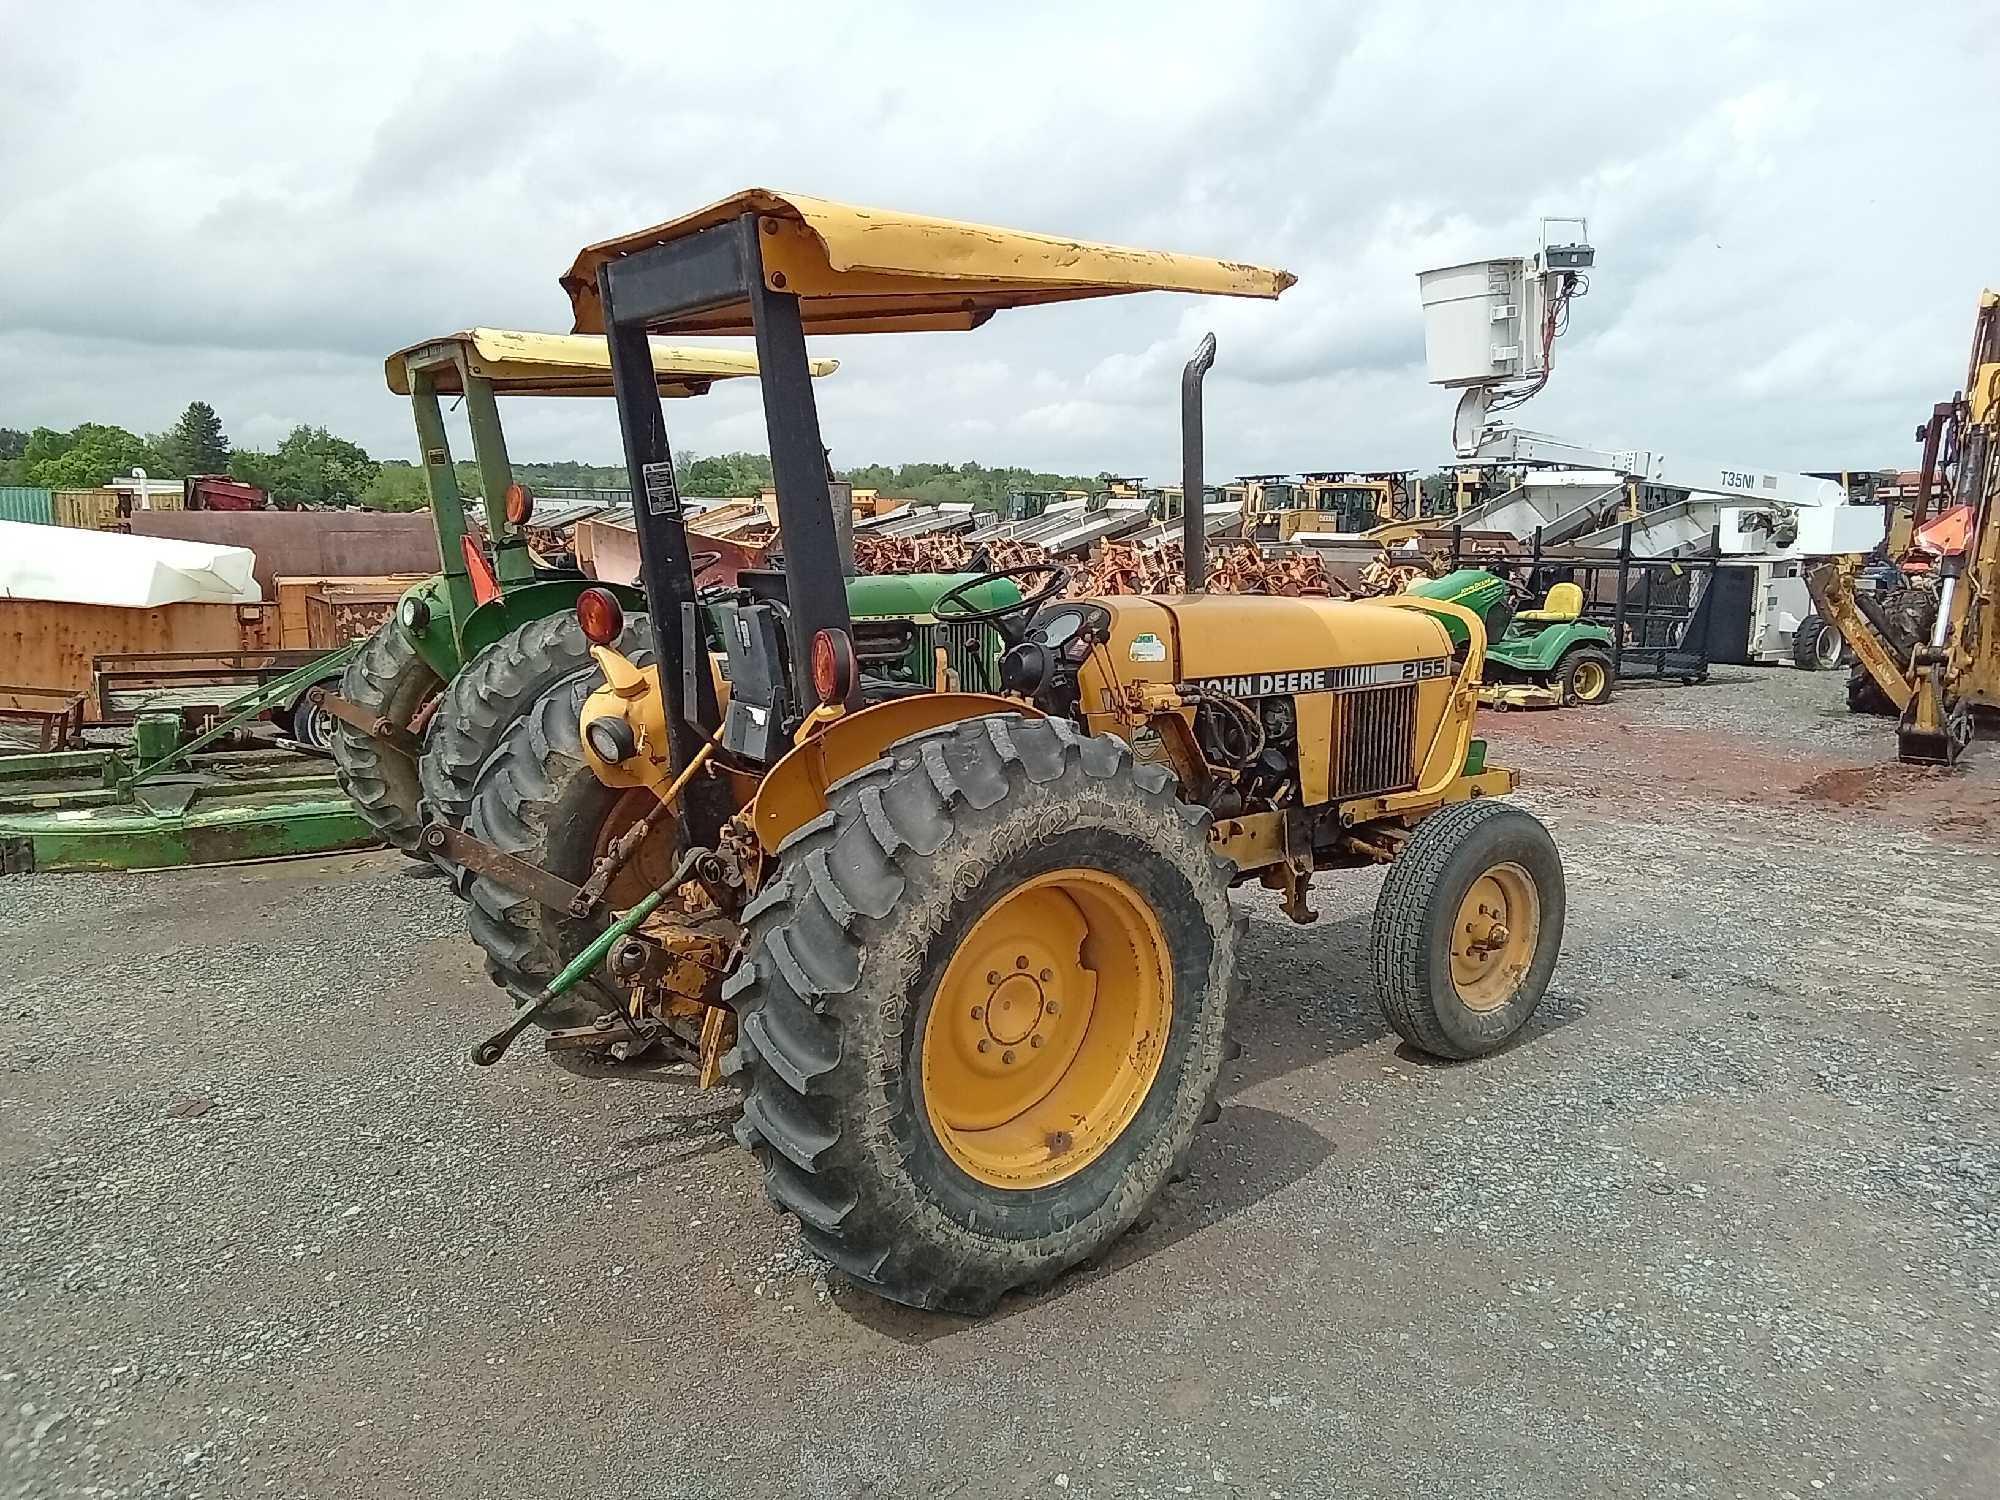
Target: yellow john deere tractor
[[970, 955]]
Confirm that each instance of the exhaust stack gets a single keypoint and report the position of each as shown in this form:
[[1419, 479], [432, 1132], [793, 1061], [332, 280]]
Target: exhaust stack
[[1194, 519]]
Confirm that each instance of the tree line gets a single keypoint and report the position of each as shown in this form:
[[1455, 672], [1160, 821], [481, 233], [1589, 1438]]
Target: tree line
[[314, 467]]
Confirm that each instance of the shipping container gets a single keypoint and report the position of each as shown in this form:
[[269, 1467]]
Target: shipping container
[[52, 646], [322, 613], [23, 502], [86, 510]]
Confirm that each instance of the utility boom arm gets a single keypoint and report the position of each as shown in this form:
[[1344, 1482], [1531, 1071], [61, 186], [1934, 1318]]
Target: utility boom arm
[[1756, 486]]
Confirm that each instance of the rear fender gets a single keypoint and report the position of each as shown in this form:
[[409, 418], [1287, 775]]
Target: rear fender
[[794, 790]]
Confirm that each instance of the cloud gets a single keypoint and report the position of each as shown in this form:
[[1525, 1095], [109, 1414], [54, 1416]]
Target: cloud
[[254, 209]]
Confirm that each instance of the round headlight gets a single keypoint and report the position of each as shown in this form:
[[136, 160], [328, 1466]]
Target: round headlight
[[414, 613], [611, 739]]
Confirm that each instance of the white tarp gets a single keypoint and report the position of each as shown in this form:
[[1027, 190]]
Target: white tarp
[[64, 564]]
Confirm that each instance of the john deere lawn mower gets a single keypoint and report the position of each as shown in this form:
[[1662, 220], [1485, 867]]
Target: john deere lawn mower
[[969, 955], [1549, 654]]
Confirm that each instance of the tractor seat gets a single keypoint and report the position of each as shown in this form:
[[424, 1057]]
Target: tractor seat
[[1565, 602]]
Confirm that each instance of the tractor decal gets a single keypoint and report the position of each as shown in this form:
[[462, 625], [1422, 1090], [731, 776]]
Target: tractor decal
[[1325, 679]]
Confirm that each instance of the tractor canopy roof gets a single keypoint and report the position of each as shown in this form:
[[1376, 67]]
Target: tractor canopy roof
[[866, 270], [561, 364]]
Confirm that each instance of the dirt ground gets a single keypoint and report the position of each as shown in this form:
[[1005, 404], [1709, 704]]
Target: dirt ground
[[1725, 1222]]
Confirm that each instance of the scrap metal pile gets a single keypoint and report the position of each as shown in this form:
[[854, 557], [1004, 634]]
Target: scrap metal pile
[[1123, 568]]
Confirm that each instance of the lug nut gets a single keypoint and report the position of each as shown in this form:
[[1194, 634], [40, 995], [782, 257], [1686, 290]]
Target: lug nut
[[1047, 975], [1007, 1056], [1021, 962], [985, 1045], [978, 1012], [992, 976], [1035, 1040], [1054, 1008]]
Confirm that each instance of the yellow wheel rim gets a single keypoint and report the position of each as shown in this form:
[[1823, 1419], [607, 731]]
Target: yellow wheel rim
[[1493, 937], [1590, 679], [1047, 1029]]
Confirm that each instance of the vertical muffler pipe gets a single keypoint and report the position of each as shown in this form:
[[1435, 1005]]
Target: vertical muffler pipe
[[1194, 517]]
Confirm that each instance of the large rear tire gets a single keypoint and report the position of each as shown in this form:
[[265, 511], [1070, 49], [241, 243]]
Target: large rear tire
[[538, 799], [1865, 695], [497, 687], [981, 1008], [389, 680], [1468, 928]]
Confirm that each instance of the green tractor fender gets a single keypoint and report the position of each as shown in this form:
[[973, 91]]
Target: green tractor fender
[[424, 615]]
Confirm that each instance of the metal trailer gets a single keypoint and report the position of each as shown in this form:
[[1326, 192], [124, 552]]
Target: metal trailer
[[163, 802]]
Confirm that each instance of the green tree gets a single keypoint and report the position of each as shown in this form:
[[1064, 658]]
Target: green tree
[[311, 467], [397, 485], [13, 442], [738, 475], [84, 458], [196, 444]]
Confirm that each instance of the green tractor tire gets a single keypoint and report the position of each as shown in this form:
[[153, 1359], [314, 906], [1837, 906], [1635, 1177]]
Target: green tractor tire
[[389, 680]]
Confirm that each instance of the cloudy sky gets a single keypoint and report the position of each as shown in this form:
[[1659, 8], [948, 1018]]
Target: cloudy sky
[[251, 204]]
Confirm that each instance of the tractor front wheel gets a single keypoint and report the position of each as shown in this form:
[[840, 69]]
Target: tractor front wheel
[[388, 680], [538, 800], [1468, 928], [981, 1008]]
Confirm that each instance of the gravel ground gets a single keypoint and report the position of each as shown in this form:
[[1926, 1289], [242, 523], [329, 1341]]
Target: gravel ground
[[1725, 1222]]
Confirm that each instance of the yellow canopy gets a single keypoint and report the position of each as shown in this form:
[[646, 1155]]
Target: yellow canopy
[[562, 364], [863, 270]]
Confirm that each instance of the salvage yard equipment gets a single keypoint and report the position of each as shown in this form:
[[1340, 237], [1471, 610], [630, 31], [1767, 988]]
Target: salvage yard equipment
[[1928, 650], [166, 801], [493, 610], [975, 951], [1552, 649], [468, 652]]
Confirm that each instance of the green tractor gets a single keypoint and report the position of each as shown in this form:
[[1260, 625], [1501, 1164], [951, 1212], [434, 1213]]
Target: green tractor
[[467, 652], [1550, 655]]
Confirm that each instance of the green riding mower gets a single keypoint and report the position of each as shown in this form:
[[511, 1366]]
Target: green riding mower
[[1550, 656]]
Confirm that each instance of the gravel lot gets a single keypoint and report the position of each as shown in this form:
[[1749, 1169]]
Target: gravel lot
[[1726, 1222]]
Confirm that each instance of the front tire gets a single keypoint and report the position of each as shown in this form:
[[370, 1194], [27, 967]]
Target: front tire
[[1816, 645], [388, 680], [997, 880], [1468, 928]]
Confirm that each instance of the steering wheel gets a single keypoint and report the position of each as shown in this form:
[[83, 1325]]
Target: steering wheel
[[965, 614]]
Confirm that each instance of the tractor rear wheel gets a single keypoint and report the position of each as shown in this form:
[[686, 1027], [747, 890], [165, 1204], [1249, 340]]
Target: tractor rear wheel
[[1468, 928], [1584, 676], [389, 680], [981, 1008], [538, 800], [1816, 645], [497, 687]]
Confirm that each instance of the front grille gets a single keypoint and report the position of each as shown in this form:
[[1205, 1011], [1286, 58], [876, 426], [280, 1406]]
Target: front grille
[[973, 651], [1375, 740]]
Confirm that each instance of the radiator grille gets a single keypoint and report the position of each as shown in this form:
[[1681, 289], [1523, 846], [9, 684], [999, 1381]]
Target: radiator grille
[[972, 649], [1375, 741]]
